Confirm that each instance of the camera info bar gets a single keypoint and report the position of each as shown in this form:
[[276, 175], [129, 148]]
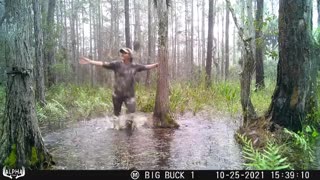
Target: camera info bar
[[170, 174]]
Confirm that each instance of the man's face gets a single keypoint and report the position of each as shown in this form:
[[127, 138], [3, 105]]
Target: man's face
[[125, 56]]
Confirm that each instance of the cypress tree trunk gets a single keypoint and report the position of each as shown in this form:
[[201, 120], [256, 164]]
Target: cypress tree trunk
[[40, 88], [21, 140], [259, 46], [127, 23], [291, 97], [210, 44], [51, 43], [161, 114], [226, 71], [150, 40]]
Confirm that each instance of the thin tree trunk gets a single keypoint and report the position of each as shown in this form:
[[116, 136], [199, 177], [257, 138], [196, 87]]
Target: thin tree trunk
[[51, 43], [203, 36], [191, 45], [21, 140], [246, 74], [226, 71], [222, 60], [150, 40], [187, 62], [73, 42], [259, 46], [40, 88], [210, 44], [162, 117], [127, 23]]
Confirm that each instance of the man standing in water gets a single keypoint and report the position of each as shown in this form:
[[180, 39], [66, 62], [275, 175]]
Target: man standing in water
[[124, 71]]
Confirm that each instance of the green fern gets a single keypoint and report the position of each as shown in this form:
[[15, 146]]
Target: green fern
[[302, 147], [269, 159]]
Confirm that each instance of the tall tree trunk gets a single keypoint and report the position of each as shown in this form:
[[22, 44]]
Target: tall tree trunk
[[187, 62], [66, 44], [127, 23], [203, 37], [248, 111], [210, 44], [250, 26], [259, 46], [226, 71], [137, 44], [21, 140], [150, 40], [290, 99], [222, 60], [51, 43], [73, 41], [161, 114], [40, 88], [191, 45]]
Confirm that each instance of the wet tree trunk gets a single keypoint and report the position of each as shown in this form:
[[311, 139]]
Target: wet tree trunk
[[226, 71], [127, 23], [259, 46], [150, 40], [51, 43], [21, 141], [291, 96], [210, 44], [162, 117], [248, 111], [137, 44], [40, 88]]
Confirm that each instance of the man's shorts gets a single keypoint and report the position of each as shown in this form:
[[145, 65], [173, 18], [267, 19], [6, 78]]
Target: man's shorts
[[130, 103]]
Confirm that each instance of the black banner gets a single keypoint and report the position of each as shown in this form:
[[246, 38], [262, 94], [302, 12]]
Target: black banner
[[166, 174]]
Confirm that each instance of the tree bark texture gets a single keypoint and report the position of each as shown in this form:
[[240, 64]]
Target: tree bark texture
[[20, 137], [290, 97]]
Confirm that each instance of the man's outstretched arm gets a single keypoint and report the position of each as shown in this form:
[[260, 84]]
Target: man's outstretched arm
[[151, 66], [84, 60]]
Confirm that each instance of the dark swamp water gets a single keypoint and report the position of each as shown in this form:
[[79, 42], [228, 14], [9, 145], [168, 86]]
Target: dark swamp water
[[203, 141]]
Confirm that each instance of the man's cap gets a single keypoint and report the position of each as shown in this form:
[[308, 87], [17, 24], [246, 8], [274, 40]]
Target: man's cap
[[126, 50]]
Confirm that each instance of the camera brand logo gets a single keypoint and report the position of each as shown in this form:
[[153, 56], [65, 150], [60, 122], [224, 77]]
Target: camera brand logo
[[13, 173], [134, 175]]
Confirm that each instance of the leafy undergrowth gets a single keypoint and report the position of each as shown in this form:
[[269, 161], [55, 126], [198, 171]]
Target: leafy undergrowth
[[66, 102], [221, 96], [72, 102], [291, 150]]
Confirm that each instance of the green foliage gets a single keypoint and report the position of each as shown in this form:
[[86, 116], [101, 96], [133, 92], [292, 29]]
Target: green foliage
[[300, 146], [145, 98], [269, 159], [52, 111], [230, 93], [74, 102]]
